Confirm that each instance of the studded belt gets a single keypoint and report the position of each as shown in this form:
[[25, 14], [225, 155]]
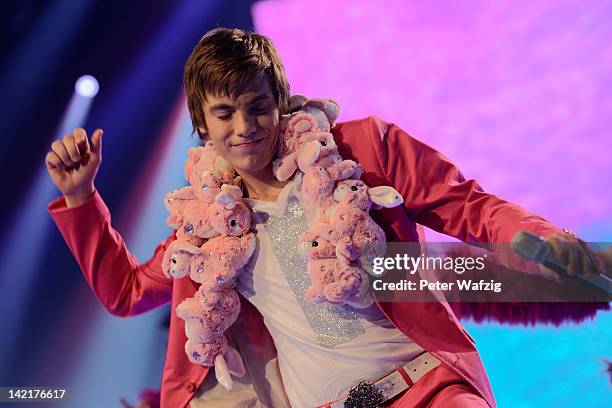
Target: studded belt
[[374, 394]]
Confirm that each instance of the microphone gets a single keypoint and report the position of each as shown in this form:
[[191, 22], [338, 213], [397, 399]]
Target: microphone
[[533, 248]]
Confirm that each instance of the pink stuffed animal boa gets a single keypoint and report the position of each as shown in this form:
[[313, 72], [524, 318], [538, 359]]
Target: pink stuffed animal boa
[[214, 241]]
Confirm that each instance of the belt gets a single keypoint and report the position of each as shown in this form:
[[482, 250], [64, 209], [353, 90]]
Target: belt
[[395, 382]]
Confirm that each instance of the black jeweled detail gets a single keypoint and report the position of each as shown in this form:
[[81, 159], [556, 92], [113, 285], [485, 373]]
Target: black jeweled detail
[[364, 395]]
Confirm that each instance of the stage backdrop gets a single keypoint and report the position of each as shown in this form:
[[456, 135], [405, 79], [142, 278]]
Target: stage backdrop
[[518, 95]]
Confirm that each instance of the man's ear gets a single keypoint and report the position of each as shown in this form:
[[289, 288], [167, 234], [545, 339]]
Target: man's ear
[[202, 134]]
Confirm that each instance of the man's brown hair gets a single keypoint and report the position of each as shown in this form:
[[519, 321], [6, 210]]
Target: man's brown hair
[[226, 62]]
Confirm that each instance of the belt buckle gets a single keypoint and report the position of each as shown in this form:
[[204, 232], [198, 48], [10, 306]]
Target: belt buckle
[[364, 395]]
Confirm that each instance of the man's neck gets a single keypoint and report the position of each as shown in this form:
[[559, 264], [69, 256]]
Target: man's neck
[[262, 185]]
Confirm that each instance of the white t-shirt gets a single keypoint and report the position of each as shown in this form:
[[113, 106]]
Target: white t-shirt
[[323, 349]]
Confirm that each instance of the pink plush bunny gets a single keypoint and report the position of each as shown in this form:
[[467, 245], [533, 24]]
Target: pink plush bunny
[[203, 322], [349, 286], [320, 149], [317, 188], [320, 254], [357, 194], [218, 353], [331, 280], [217, 300], [314, 116], [175, 201], [205, 353], [177, 259], [221, 260], [203, 161], [212, 246], [189, 215], [356, 235], [228, 215]]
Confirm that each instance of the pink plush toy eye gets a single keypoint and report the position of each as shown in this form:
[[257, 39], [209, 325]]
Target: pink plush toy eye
[[315, 244]]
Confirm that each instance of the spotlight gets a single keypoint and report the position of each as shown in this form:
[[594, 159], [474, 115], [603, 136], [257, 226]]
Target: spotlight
[[87, 86]]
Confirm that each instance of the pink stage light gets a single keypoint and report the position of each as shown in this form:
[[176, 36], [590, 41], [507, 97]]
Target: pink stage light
[[516, 94]]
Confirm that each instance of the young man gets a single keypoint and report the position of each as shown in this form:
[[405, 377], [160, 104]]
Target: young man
[[300, 354]]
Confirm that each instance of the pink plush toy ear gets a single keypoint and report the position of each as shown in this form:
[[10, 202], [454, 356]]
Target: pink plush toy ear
[[226, 199], [226, 364], [308, 155], [185, 193], [385, 196], [296, 102], [301, 123], [286, 166], [234, 362], [329, 107], [233, 190]]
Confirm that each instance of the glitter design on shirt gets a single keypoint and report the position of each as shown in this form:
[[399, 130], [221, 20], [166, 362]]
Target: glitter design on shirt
[[331, 324]]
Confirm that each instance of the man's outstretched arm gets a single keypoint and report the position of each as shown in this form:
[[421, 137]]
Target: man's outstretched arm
[[437, 195], [122, 285]]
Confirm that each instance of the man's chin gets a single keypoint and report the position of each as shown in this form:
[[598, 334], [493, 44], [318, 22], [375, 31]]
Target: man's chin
[[253, 166]]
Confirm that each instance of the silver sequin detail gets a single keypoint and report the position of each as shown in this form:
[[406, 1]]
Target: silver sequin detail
[[331, 324]]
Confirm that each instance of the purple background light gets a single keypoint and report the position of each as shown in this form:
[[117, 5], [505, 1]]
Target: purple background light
[[517, 95]]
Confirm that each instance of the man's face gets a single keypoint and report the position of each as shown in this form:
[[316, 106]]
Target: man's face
[[244, 130]]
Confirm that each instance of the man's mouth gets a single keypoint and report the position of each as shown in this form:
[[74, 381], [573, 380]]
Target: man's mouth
[[250, 143]]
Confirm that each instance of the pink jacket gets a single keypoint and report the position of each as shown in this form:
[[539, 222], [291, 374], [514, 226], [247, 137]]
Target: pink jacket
[[436, 195]]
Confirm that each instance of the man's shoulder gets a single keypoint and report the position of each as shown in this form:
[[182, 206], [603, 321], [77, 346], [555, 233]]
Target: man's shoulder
[[357, 129], [361, 140]]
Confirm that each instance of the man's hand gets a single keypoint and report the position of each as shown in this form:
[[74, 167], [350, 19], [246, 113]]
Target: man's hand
[[574, 255], [73, 165]]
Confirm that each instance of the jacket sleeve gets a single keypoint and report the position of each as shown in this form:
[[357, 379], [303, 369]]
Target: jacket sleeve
[[123, 286], [438, 196]]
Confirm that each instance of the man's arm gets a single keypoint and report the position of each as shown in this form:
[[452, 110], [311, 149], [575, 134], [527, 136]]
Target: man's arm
[[122, 285], [438, 196]]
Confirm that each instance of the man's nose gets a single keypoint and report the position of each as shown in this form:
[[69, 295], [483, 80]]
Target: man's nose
[[245, 124]]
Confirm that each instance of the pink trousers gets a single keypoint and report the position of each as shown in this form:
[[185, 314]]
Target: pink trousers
[[440, 388]]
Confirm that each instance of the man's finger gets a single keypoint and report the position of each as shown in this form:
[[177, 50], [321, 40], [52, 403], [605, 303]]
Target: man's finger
[[53, 162], [574, 260], [96, 142], [72, 149], [82, 142], [59, 148], [558, 249], [550, 274], [589, 265]]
